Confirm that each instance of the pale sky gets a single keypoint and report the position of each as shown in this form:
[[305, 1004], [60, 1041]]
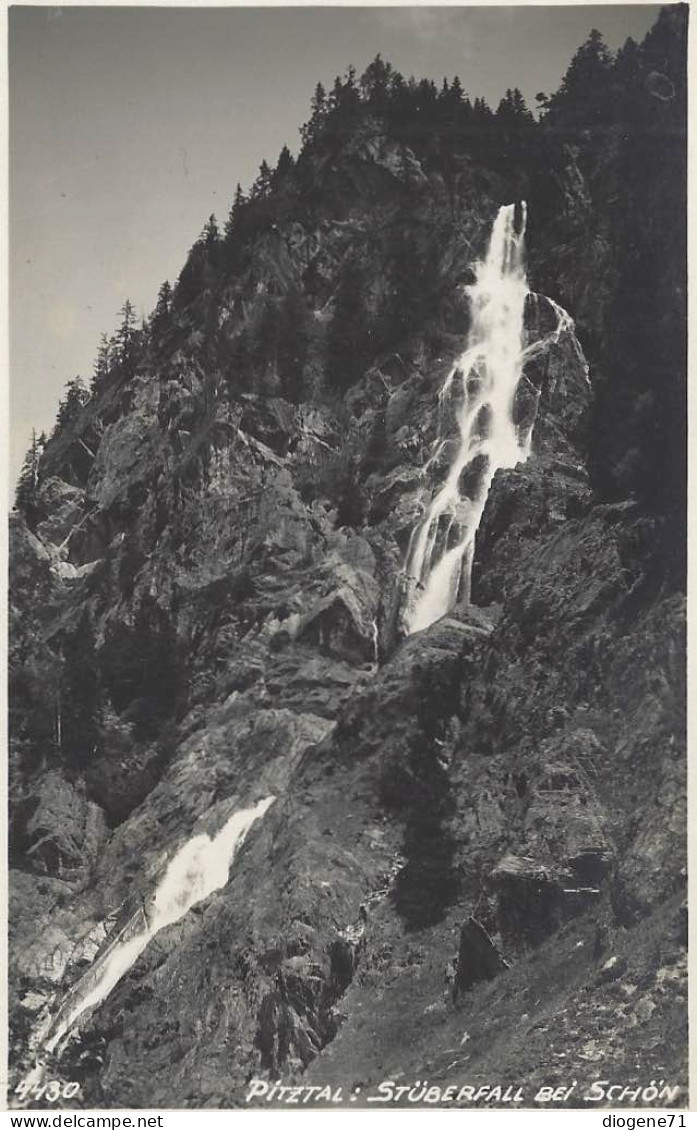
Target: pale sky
[[129, 126]]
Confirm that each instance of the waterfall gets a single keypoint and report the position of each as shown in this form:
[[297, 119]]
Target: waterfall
[[376, 645], [481, 426], [200, 867]]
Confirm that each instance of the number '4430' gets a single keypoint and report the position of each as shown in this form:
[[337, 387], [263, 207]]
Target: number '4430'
[[52, 1091]]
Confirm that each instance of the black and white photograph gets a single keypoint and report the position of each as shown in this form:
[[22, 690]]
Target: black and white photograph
[[347, 553]]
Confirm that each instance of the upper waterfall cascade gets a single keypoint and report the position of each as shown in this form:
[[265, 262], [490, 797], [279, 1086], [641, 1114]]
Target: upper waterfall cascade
[[481, 426], [198, 869]]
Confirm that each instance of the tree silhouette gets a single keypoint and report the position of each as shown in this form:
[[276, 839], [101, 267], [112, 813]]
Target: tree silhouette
[[163, 309], [284, 166], [375, 84], [263, 184], [125, 339], [210, 234], [318, 113], [27, 485], [70, 406], [101, 365], [581, 100], [233, 222]]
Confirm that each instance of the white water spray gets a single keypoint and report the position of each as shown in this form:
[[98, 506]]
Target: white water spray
[[479, 433], [376, 646], [200, 867]]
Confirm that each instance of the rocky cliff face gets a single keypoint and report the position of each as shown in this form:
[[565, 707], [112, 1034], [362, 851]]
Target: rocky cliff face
[[231, 566]]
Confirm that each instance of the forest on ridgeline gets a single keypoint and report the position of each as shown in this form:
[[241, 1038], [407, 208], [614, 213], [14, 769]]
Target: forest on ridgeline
[[603, 168]]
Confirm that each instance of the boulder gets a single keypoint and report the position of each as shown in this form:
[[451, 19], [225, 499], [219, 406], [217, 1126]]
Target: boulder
[[131, 451], [535, 897], [65, 505], [337, 627], [66, 831], [479, 959], [308, 682], [272, 421]]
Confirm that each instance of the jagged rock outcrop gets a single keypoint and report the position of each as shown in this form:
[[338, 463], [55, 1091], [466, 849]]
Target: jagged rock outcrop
[[231, 564], [65, 831]]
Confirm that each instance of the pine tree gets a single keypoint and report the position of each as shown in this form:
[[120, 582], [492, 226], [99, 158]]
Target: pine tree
[[318, 113], [239, 201], [375, 83], [124, 341], [318, 105], [284, 166], [427, 96], [351, 85], [164, 300], [232, 224], [210, 234], [453, 113], [101, 365], [163, 307], [262, 185], [512, 109], [627, 80], [76, 395], [481, 109], [200, 271], [27, 485], [581, 101], [335, 98], [345, 98], [456, 94]]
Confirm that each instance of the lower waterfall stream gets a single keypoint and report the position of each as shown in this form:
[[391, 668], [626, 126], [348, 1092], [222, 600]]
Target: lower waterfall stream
[[200, 867]]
